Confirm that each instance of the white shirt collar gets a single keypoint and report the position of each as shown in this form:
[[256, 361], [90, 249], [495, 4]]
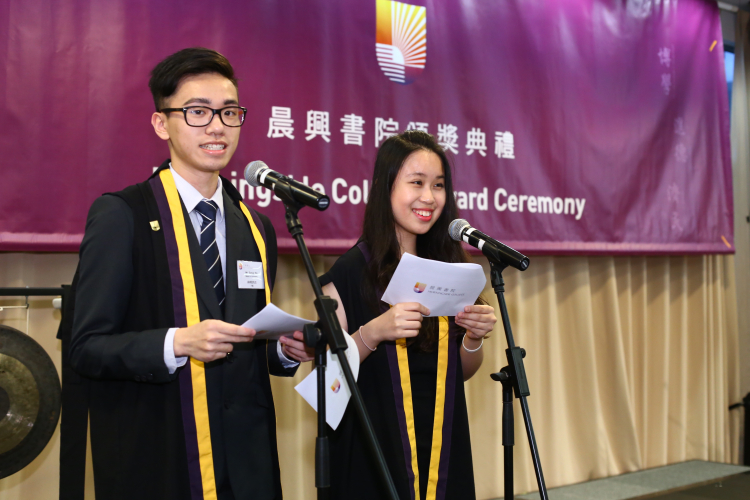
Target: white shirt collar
[[191, 196]]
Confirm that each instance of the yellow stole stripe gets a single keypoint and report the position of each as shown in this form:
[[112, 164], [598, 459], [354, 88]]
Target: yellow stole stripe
[[198, 372], [403, 368], [437, 428], [261, 247]]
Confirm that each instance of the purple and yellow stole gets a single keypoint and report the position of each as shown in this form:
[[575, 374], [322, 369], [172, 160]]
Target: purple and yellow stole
[[398, 362], [445, 396], [192, 377]]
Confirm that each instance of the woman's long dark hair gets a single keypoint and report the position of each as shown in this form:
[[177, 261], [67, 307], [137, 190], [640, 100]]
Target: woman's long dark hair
[[379, 226]]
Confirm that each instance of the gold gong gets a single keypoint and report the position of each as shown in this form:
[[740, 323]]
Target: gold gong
[[29, 400]]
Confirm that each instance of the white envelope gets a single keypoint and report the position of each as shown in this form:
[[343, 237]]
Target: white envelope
[[337, 390], [272, 323], [445, 289]]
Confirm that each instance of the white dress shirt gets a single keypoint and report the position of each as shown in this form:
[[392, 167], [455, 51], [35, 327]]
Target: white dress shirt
[[191, 197]]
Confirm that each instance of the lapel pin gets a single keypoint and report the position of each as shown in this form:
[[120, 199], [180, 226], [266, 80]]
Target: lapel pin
[[155, 225]]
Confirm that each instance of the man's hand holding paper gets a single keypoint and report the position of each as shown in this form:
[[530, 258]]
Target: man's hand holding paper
[[445, 289], [272, 323]]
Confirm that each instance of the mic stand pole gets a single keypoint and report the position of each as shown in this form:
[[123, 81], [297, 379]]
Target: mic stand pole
[[334, 337], [513, 379]]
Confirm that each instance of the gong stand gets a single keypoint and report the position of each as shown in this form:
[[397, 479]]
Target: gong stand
[[513, 379], [333, 336], [28, 292]]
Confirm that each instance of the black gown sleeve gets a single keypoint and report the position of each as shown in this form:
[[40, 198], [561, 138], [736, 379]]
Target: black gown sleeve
[[98, 348], [275, 367], [271, 248], [347, 275]]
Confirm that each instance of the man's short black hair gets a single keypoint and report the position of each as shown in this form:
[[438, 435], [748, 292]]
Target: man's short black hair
[[166, 76]]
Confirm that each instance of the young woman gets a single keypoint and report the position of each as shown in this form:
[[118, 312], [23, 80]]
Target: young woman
[[412, 367]]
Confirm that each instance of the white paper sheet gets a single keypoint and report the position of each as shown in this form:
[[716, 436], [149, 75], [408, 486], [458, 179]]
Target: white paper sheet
[[272, 323], [445, 289], [338, 393]]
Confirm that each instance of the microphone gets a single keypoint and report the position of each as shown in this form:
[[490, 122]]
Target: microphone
[[257, 173], [460, 230]]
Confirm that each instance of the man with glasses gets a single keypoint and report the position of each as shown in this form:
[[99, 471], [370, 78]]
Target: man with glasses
[[180, 400]]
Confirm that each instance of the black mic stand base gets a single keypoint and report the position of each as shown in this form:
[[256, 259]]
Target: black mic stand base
[[513, 379], [332, 336]]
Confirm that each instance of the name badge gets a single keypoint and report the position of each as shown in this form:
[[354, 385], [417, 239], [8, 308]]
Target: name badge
[[250, 275]]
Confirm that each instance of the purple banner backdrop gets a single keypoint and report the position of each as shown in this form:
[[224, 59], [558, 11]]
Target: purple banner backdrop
[[575, 127]]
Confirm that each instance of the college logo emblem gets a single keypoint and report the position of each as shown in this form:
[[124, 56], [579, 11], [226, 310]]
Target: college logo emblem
[[401, 40], [336, 386], [419, 287]]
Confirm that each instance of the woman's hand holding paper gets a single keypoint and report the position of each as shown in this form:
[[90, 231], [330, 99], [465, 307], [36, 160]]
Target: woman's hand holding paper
[[400, 321], [478, 320]]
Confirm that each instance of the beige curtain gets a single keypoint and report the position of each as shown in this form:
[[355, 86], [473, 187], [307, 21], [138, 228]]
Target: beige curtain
[[632, 363]]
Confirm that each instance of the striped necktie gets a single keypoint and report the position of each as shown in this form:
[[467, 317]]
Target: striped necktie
[[210, 249]]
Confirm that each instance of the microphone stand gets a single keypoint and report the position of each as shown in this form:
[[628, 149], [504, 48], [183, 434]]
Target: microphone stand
[[513, 379], [333, 336]]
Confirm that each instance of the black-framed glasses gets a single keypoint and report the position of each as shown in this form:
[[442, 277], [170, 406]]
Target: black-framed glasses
[[200, 116]]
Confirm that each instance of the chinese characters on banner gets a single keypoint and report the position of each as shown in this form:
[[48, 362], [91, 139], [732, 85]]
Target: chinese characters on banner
[[281, 124]]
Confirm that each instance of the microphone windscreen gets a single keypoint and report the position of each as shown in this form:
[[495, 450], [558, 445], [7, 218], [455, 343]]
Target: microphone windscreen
[[251, 172], [457, 227]]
